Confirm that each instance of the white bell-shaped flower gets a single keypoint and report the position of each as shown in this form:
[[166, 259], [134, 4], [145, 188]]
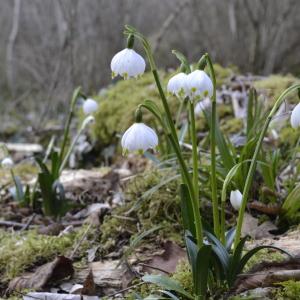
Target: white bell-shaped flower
[[199, 85], [7, 163], [127, 63], [89, 106], [139, 137], [295, 116], [177, 85], [236, 199]]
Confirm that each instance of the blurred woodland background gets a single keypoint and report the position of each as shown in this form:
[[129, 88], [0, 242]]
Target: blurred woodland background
[[49, 47]]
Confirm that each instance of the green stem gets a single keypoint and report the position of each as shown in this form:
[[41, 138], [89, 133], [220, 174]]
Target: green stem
[[179, 113], [173, 134], [252, 168], [76, 93], [195, 151], [215, 203]]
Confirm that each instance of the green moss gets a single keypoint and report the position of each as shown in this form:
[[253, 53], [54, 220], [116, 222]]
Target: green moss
[[264, 255], [183, 275], [140, 213], [290, 290], [20, 251], [231, 126], [274, 85]]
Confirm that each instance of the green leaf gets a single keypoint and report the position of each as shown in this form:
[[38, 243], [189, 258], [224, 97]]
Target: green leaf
[[187, 209], [202, 269], [250, 106], [253, 251], [172, 296], [55, 165], [229, 238], [291, 206], [46, 181], [234, 263], [220, 251], [167, 283], [19, 188], [43, 166]]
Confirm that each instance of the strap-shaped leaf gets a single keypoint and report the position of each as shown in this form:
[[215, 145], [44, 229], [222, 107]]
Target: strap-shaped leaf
[[229, 238], [253, 251], [167, 283], [219, 249], [202, 269]]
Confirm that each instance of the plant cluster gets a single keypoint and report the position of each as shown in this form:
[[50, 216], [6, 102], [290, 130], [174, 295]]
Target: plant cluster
[[216, 256]]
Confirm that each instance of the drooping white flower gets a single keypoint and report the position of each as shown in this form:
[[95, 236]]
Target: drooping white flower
[[236, 199], [127, 63], [139, 137], [295, 116], [202, 105], [177, 85], [199, 85], [89, 106], [7, 163]]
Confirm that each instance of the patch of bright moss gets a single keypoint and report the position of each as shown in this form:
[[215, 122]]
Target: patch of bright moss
[[232, 125], [264, 255], [290, 290], [183, 275], [20, 251], [274, 85], [161, 207]]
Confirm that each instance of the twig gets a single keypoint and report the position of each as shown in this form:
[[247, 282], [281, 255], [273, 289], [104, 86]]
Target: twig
[[13, 224], [26, 226], [154, 268], [126, 289], [80, 241]]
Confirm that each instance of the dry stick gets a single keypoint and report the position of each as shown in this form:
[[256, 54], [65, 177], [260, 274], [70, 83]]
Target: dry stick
[[80, 241], [26, 226], [154, 268], [126, 289], [13, 224]]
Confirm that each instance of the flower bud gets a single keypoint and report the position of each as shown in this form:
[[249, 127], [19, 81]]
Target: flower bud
[[89, 106], [7, 163], [236, 199], [295, 116]]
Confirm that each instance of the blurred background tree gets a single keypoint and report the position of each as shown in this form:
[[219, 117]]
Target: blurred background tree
[[49, 47]]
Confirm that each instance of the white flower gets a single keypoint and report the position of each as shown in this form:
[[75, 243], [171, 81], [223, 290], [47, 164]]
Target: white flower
[[199, 85], [139, 137], [236, 199], [202, 105], [295, 116], [127, 63], [177, 85], [89, 106], [7, 163]]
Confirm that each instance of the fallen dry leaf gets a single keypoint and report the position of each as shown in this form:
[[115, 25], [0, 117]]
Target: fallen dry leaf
[[56, 270], [269, 209], [89, 288], [167, 261]]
